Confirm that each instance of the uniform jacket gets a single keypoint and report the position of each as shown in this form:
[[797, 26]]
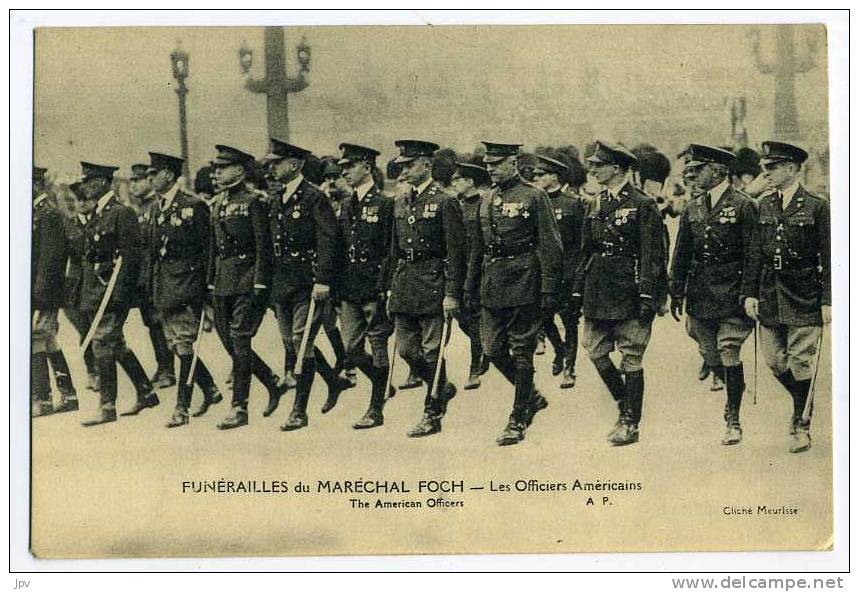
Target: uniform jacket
[[178, 241], [428, 252], [794, 259], [108, 234], [144, 272], [74, 232], [305, 241], [622, 255], [517, 255], [569, 211], [240, 249], [49, 256], [713, 264], [366, 228]]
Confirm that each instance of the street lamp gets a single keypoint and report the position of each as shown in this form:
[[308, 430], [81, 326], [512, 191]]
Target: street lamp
[[179, 61]]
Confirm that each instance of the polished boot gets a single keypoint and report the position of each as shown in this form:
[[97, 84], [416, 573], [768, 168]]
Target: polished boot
[[613, 380], [184, 392], [521, 416], [211, 394], [568, 381], [735, 385], [275, 387], [63, 376], [237, 418], [800, 432], [336, 340], [413, 381], [703, 371], [434, 406], [146, 396], [474, 368], [242, 367], [373, 417], [336, 384], [298, 417], [165, 375], [107, 394], [627, 430], [40, 391]]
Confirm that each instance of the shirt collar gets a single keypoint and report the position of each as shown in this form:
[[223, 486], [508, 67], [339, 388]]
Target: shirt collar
[[615, 192], [103, 200], [39, 199], [420, 188], [167, 198], [718, 191], [364, 188], [292, 186], [788, 193]]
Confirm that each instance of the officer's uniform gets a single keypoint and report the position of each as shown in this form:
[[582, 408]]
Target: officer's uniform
[[239, 273], [428, 259], [48, 268], [305, 240], [112, 232], [515, 268], [177, 236], [713, 270], [165, 374], [616, 281], [794, 283], [569, 211], [366, 225]]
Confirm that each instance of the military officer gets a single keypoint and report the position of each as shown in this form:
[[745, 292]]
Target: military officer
[[239, 274], [428, 259], [366, 222], [305, 242], [469, 181], [515, 270], [142, 200], [793, 299], [177, 235], [616, 282], [569, 212], [111, 232], [713, 270], [48, 267]]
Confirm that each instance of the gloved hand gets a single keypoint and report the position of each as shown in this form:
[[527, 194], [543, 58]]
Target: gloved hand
[[320, 292], [646, 309], [449, 305], [676, 307], [751, 306]]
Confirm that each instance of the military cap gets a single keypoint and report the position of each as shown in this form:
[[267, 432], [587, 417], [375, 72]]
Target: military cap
[[476, 173], [700, 154], [39, 174], [229, 155], [653, 166], [780, 151], [278, 150], [747, 162], [353, 152], [412, 149], [92, 171], [496, 152], [158, 161], [138, 171], [618, 154], [550, 165]]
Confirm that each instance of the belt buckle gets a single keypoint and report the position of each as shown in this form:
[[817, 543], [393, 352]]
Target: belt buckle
[[777, 262], [277, 250]]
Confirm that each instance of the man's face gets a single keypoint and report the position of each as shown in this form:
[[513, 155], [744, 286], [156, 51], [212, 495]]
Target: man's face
[[138, 187], [285, 169], [602, 172], [461, 185], [225, 174], [708, 176], [85, 206], [415, 171], [778, 173], [94, 188], [161, 180], [503, 170], [355, 172], [545, 180], [690, 178]]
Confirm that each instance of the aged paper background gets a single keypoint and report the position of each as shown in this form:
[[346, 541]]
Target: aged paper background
[[116, 490]]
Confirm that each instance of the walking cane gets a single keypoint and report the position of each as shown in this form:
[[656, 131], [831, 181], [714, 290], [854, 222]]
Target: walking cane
[[388, 393], [101, 307], [305, 337], [196, 348], [444, 331], [809, 402], [755, 395]]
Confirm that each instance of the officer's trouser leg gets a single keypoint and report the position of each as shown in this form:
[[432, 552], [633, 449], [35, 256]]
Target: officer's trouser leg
[[571, 339], [62, 374], [163, 355], [553, 335], [107, 375], [132, 367], [183, 390], [244, 364]]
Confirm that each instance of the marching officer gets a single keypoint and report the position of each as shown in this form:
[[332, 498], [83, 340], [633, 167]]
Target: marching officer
[[616, 281], [177, 235], [469, 181], [111, 233], [793, 299], [515, 270], [48, 268], [142, 202], [239, 274], [305, 242], [569, 213], [713, 269], [366, 225], [428, 256]]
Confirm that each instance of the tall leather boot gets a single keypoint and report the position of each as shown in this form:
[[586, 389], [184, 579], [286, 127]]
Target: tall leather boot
[[518, 421], [243, 361], [505, 366], [476, 365], [288, 368], [554, 337], [63, 376], [613, 380], [434, 406], [40, 390], [414, 380], [336, 384], [107, 394], [275, 387], [146, 397], [800, 428], [183, 393], [211, 394], [165, 375], [787, 381], [298, 417], [571, 346], [627, 430], [91, 369], [735, 385], [373, 417], [335, 338]]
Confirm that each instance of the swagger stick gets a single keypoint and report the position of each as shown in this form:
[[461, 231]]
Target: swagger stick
[[440, 361], [103, 306], [809, 401], [196, 348], [755, 396], [389, 393], [305, 337]]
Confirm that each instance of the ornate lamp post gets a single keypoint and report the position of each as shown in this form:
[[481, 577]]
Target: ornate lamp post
[[179, 60], [276, 85]]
